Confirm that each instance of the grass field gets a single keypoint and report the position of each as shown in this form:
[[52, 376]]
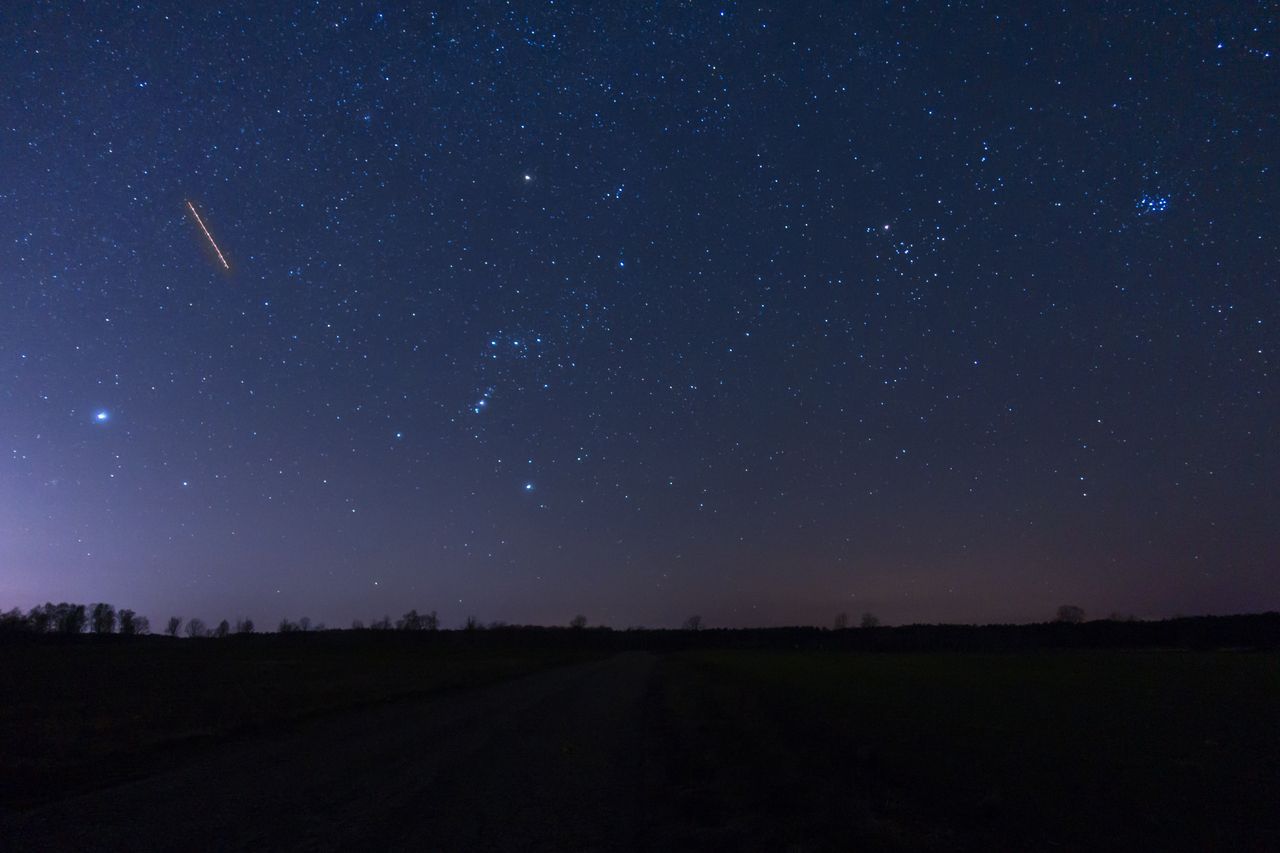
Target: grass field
[[78, 715], [1044, 750], [798, 750]]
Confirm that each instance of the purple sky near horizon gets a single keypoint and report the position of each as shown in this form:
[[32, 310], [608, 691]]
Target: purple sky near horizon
[[638, 310]]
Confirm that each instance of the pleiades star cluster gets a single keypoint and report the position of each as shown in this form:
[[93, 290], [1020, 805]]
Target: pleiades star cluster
[[524, 309]]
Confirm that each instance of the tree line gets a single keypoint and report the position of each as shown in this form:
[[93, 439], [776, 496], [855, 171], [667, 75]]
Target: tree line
[[102, 618], [68, 618]]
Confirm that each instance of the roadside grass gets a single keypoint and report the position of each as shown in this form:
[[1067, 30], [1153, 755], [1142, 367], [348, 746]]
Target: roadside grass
[[1046, 750], [81, 715]]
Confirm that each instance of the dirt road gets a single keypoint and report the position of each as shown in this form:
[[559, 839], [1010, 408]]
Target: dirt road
[[552, 761]]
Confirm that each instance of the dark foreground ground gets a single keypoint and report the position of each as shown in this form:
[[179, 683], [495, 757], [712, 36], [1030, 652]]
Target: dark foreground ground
[[710, 749], [1165, 750]]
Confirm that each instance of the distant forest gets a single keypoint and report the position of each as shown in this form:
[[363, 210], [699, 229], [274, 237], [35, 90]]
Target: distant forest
[[1069, 629]]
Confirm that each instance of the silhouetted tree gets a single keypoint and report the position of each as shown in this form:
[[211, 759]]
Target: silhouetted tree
[[842, 621], [411, 621], [244, 626], [40, 619], [141, 626], [53, 614], [357, 625], [70, 618], [196, 628], [870, 620], [304, 624], [174, 626], [223, 629], [1071, 614], [472, 624], [578, 622], [693, 623], [128, 621], [286, 627], [14, 621], [431, 622], [383, 624], [103, 618]]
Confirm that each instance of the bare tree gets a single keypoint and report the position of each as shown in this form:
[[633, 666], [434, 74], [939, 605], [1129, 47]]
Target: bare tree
[[578, 622], [223, 629], [103, 618], [411, 621], [52, 616], [357, 625], [870, 620], [287, 627], [141, 625], [304, 624], [244, 626], [68, 618], [174, 626], [472, 624], [14, 621], [196, 628], [693, 623], [77, 619], [841, 622], [383, 624], [431, 622], [128, 621], [1071, 614], [40, 619]]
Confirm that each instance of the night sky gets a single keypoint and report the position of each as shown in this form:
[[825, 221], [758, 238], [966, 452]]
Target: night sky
[[943, 312]]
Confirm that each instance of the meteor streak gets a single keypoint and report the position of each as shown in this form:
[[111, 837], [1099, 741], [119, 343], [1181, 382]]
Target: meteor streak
[[200, 222]]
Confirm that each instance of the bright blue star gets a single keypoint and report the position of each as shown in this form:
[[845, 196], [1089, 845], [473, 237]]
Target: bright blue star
[[528, 487], [101, 416]]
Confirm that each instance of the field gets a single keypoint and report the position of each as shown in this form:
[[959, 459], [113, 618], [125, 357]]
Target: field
[[634, 741], [89, 712], [1042, 750]]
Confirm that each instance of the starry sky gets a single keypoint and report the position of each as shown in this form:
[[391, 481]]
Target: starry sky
[[946, 312]]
